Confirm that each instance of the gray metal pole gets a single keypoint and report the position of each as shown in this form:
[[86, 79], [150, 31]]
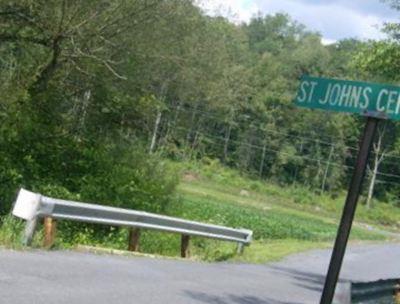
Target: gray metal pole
[[29, 232], [349, 211]]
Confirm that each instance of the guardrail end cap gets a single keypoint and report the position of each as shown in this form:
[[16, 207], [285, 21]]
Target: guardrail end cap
[[249, 236], [26, 205]]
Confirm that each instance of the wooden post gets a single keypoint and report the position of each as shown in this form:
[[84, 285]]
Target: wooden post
[[397, 298], [134, 237], [397, 294], [49, 232], [185, 253]]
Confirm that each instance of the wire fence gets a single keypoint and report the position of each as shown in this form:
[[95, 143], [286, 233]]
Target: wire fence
[[329, 159]]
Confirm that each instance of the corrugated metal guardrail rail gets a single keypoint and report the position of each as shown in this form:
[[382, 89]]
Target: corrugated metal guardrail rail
[[380, 292], [31, 206]]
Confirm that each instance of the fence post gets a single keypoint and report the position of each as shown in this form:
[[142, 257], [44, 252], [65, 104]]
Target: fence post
[[134, 237], [185, 253], [49, 232]]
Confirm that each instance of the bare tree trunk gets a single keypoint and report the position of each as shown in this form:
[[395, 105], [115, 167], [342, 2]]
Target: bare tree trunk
[[82, 112], [297, 167], [156, 127], [327, 168], [226, 143], [197, 133], [260, 171], [377, 161], [372, 183], [247, 150], [172, 124], [178, 108], [48, 71], [319, 164], [189, 134]]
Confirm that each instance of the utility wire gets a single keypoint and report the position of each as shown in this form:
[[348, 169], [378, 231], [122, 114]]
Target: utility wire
[[320, 161], [303, 136], [213, 116]]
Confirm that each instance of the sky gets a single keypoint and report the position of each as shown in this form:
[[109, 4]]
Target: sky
[[333, 19]]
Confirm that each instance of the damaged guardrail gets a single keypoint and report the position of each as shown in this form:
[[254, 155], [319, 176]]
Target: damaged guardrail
[[33, 206], [378, 292], [383, 292]]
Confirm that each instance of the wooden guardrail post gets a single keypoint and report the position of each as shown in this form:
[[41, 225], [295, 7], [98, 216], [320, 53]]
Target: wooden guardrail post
[[49, 232], [185, 252], [134, 237], [397, 298], [397, 293]]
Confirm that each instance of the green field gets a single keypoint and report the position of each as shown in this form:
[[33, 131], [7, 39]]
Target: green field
[[285, 220]]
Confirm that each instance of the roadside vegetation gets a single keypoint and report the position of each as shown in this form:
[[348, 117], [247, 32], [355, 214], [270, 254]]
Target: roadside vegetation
[[156, 106], [211, 193]]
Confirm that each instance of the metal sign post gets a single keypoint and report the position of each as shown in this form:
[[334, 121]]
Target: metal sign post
[[377, 102], [349, 211]]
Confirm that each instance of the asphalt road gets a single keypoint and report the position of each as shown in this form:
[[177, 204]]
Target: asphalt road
[[71, 277]]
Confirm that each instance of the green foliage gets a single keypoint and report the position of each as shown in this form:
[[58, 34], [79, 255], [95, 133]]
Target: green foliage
[[266, 224], [279, 217], [76, 83], [85, 95], [379, 59], [209, 175], [11, 230], [131, 179]]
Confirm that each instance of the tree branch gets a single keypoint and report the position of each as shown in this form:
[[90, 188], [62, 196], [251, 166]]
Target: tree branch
[[22, 16], [45, 74], [16, 38]]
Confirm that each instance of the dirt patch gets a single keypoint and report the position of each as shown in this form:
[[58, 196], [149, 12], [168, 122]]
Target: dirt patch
[[244, 193], [190, 177]]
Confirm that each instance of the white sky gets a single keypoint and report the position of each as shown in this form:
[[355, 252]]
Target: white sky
[[334, 19]]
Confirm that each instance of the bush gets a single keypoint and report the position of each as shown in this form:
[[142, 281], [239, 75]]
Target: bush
[[302, 196], [134, 180], [10, 178], [110, 175], [131, 179], [11, 229]]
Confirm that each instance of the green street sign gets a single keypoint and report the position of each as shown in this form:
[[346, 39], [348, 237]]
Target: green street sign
[[376, 101], [367, 99]]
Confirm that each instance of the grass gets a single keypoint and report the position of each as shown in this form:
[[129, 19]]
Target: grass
[[209, 176], [268, 222], [11, 232], [263, 252], [284, 220]]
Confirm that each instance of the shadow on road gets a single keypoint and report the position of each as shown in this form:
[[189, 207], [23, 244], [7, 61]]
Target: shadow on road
[[302, 279], [231, 299]]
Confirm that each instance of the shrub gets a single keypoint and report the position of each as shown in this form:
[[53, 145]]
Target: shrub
[[11, 229], [131, 179], [115, 176]]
